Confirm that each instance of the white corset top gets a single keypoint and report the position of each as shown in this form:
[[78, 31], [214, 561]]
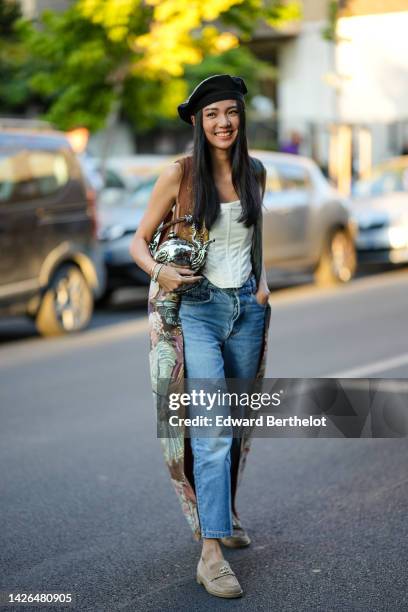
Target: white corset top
[[228, 262]]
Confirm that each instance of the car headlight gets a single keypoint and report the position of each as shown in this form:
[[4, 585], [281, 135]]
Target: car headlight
[[398, 236], [398, 232], [111, 232]]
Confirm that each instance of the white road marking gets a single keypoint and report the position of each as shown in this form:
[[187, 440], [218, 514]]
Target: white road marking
[[372, 368]]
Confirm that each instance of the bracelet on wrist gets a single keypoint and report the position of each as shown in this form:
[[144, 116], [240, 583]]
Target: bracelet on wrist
[[152, 269], [157, 271]]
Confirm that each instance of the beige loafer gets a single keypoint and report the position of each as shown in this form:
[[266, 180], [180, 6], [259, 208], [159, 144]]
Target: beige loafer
[[239, 537], [218, 579]]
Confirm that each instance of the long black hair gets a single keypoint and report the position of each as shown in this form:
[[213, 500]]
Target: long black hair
[[243, 170]]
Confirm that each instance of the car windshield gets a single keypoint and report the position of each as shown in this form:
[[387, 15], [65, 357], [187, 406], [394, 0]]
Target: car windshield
[[138, 198], [382, 181], [141, 195]]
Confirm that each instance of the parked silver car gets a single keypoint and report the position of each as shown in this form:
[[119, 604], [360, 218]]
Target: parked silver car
[[117, 222], [306, 225], [380, 209]]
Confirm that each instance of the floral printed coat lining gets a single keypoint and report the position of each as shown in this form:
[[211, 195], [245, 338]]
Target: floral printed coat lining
[[167, 358]]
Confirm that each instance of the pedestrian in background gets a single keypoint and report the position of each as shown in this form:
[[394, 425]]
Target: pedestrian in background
[[292, 145], [217, 326]]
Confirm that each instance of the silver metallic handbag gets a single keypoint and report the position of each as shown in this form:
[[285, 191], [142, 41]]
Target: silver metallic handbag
[[175, 250]]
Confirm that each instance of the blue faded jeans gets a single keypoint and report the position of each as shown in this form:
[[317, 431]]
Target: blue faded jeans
[[223, 333]]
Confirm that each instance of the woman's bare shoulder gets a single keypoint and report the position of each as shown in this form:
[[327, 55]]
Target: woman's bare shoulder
[[172, 172], [166, 188], [170, 177]]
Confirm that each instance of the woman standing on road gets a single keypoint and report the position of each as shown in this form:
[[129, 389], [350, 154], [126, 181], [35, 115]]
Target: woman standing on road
[[217, 326]]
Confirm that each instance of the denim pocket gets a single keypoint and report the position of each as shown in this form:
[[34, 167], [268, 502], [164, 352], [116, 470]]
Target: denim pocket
[[199, 293]]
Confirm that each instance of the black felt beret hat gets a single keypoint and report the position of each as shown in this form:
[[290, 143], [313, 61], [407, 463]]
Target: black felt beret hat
[[213, 89]]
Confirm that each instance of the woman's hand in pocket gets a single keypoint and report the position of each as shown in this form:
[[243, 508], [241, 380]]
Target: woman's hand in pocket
[[262, 295]]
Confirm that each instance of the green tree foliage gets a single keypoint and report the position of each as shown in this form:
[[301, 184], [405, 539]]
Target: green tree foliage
[[329, 30], [140, 57], [13, 58]]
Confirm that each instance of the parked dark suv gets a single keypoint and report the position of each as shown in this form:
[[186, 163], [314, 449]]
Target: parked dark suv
[[50, 265]]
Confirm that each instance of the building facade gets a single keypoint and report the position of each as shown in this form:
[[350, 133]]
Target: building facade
[[359, 79]]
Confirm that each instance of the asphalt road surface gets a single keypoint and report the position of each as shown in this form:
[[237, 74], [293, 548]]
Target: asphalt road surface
[[87, 506]]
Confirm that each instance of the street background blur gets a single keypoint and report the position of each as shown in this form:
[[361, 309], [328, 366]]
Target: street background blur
[[88, 98], [326, 79]]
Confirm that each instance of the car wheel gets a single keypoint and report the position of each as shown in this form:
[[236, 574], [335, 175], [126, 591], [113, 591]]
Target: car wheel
[[67, 305], [337, 262]]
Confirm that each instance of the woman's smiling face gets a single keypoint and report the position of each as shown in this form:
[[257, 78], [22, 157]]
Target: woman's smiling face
[[221, 123]]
